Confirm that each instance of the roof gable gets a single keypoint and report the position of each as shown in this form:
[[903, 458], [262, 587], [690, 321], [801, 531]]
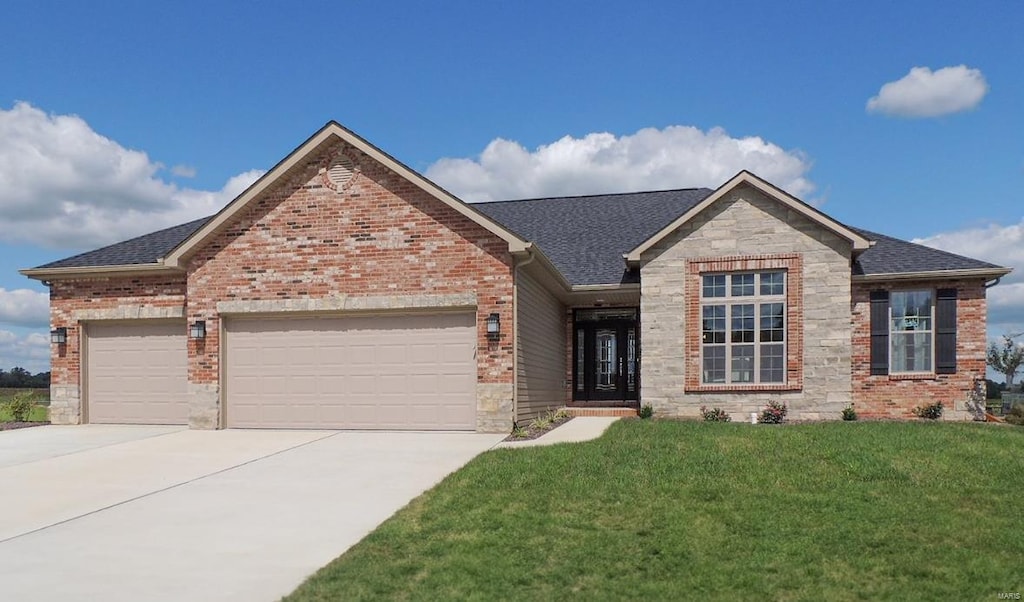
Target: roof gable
[[745, 178], [179, 255]]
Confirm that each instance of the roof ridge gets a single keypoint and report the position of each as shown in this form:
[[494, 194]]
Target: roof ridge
[[588, 196]]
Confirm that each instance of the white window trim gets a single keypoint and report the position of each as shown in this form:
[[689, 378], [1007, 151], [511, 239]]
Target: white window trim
[[757, 299], [930, 331]]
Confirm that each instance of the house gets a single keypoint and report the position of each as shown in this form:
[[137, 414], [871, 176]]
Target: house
[[345, 290]]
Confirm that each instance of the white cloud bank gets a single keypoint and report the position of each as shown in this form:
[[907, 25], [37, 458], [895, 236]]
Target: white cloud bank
[[1001, 245], [31, 351], [927, 93], [24, 307], [62, 185], [651, 159]]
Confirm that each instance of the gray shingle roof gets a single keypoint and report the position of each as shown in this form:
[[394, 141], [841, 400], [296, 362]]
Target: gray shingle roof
[[894, 256], [140, 250], [584, 236]]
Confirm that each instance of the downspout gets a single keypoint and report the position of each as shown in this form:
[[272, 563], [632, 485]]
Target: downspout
[[515, 330], [993, 283]]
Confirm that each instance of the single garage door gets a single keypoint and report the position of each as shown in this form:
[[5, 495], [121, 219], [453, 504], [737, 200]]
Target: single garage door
[[137, 373], [412, 371]]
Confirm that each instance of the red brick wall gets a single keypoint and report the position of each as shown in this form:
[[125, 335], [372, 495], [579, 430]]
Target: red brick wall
[[895, 396], [380, 235], [69, 296]]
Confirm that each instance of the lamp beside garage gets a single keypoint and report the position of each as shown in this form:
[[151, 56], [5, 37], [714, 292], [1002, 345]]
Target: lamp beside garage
[[197, 330], [59, 336], [493, 327]]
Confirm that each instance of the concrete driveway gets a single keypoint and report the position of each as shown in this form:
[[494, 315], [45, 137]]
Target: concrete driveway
[[164, 513]]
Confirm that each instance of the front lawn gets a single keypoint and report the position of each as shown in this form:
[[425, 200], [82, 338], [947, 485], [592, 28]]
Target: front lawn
[[39, 413], [688, 510]]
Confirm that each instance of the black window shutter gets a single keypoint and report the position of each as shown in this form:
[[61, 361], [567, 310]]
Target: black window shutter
[[945, 331], [879, 332]]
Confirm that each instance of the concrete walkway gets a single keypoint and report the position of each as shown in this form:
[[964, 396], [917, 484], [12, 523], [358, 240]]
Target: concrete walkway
[[150, 513], [580, 428]]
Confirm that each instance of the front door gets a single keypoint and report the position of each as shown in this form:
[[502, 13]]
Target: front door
[[607, 357]]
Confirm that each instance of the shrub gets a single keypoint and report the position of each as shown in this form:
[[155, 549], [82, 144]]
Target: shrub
[[1016, 415], [715, 415], [519, 432], [773, 413], [930, 411], [19, 406], [646, 411], [541, 423], [849, 413]]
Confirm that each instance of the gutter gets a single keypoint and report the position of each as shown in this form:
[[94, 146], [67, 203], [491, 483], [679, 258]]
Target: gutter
[[140, 269], [987, 273], [531, 256]]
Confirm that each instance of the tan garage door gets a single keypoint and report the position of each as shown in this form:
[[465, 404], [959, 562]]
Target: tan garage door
[[415, 372], [137, 373]]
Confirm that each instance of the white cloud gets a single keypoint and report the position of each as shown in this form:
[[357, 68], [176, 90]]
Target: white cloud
[[31, 351], [927, 93], [184, 171], [24, 307], [63, 185], [650, 159], [1001, 245]]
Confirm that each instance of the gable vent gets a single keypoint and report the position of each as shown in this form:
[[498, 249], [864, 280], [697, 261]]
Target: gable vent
[[341, 170]]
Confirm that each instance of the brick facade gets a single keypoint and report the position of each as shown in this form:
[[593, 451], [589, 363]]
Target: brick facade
[[380, 242], [74, 303], [895, 395]]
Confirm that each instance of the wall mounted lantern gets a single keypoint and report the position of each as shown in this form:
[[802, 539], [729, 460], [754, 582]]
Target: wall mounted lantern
[[198, 330], [493, 327], [59, 336]]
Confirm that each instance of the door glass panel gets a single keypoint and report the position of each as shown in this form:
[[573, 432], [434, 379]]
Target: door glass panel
[[606, 359], [631, 359], [579, 359]]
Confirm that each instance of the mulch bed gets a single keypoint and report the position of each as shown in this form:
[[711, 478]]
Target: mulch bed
[[10, 426], [530, 432]]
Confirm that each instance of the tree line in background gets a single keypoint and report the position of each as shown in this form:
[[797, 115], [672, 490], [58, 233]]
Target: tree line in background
[[20, 378]]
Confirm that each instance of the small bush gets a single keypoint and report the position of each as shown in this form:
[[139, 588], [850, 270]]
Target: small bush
[[541, 423], [715, 415], [773, 413], [646, 411], [519, 432], [930, 411], [849, 413], [19, 406], [1016, 415]]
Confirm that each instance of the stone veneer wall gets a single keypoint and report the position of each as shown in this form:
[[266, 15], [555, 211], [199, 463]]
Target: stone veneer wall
[[380, 238], [744, 228], [894, 395], [74, 302]]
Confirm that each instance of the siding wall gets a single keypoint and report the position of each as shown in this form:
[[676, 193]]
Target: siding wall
[[540, 357]]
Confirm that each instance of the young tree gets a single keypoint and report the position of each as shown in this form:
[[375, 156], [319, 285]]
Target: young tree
[[1006, 359]]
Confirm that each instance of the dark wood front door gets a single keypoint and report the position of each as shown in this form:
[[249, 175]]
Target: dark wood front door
[[607, 360]]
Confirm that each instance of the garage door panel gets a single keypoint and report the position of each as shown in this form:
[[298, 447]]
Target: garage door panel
[[393, 372], [136, 373]]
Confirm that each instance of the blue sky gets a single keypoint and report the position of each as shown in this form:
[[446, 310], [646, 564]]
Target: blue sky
[[120, 118]]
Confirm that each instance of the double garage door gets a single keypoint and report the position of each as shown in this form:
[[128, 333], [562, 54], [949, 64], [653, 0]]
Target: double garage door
[[415, 371]]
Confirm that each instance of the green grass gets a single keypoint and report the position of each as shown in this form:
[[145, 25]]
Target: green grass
[[39, 413], [666, 510]]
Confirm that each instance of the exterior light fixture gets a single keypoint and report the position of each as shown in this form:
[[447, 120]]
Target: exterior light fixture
[[59, 336], [493, 327], [198, 330]]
